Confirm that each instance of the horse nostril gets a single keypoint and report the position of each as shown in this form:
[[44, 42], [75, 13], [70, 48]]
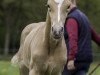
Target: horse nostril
[[56, 33], [62, 29], [52, 29]]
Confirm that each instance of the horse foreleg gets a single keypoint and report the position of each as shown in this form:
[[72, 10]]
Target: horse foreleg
[[23, 70], [33, 72]]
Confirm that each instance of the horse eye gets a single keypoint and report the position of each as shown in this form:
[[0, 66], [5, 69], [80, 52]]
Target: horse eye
[[68, 7], [48, 6]]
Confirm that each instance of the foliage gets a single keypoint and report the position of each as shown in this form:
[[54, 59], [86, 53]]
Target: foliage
[[91, 8], [16, 14]]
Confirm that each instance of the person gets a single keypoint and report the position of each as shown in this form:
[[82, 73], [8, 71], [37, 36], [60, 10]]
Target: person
[[78, 35]]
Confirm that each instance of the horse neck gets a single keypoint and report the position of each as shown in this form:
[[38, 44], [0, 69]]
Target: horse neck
[[54, 43], [47, 32], [50, 43]]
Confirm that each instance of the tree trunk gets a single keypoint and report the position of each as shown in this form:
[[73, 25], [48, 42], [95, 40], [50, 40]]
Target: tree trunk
[[7, 41], [8, 23]]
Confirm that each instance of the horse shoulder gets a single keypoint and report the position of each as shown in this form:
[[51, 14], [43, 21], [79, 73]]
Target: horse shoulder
[[32, 37], [37, 41], [27, 30], [17, 58]]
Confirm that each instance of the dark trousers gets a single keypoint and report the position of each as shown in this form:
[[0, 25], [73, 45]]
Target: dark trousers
[[74, 72]]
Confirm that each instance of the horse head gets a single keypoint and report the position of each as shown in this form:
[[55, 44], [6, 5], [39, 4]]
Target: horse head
[[57, 10]]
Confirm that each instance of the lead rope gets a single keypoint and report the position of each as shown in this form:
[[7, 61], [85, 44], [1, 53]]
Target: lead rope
[[94, 69]]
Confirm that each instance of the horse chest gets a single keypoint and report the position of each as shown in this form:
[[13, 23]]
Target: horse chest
[[48, 64], [54, 65]]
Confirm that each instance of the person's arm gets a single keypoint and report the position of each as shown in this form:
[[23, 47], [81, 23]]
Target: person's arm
[[95, 36], [72, 30]]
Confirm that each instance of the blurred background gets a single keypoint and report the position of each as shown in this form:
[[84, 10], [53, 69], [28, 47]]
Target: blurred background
[[16, 14]]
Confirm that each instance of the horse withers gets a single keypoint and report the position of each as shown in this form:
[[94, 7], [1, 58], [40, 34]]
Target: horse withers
[[42, 49]]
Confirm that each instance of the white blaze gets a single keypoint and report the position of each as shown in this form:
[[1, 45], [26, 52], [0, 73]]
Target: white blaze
[[59, 2]]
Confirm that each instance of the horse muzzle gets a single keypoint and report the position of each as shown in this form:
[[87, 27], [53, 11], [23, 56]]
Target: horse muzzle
[[57, 32]]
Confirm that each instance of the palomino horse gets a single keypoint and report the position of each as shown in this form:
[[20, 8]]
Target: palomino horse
[[42, 49]]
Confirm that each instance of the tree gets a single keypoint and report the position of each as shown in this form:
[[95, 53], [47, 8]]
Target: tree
[[16, 15], [9, 10]]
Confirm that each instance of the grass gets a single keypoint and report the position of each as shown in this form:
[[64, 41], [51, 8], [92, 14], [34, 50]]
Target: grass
[[97, 71], [7, 69]]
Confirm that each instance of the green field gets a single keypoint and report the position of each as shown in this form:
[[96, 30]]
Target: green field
[[7, 69]]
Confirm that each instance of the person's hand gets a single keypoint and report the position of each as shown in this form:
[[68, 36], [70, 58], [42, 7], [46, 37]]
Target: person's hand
[[70, 65]]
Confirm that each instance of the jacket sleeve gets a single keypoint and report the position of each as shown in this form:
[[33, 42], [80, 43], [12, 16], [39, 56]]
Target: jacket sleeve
[[71, 27]]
